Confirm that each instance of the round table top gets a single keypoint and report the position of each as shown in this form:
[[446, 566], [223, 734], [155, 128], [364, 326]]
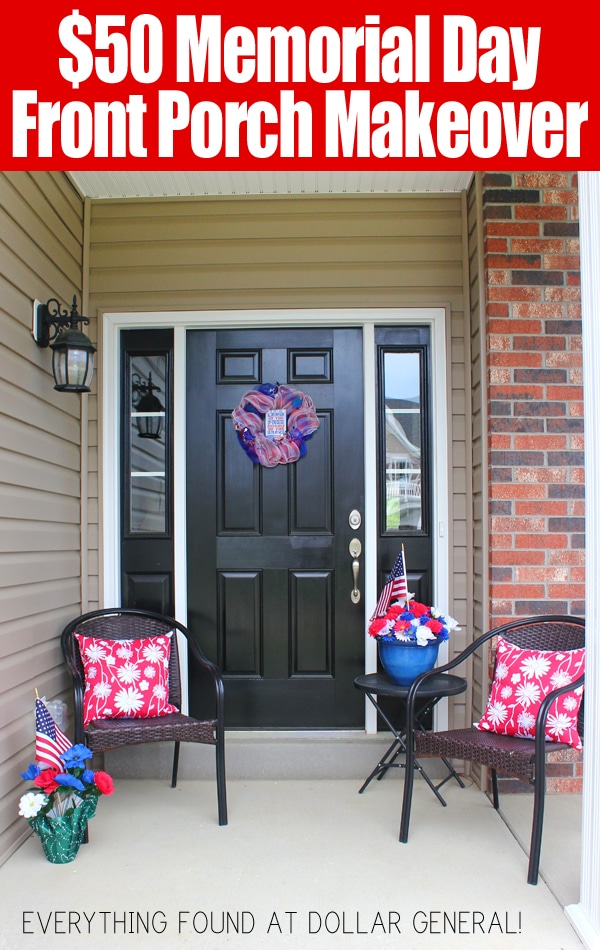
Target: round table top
[[440, 684]]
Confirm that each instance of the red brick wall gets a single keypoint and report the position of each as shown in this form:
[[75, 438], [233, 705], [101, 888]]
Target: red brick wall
[[535, 400]]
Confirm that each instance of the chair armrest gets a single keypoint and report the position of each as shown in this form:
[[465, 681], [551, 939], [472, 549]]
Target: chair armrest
[[197, 656], [78, 683], [422, 677]]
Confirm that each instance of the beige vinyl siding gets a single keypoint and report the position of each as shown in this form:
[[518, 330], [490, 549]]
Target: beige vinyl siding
[[242, 253], [41, 234], [303, 251]]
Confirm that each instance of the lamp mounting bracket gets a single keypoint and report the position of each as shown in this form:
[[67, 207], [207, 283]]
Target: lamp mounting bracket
[[50, 319]]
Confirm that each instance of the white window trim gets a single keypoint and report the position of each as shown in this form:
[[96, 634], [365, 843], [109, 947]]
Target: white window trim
[[181, 321]]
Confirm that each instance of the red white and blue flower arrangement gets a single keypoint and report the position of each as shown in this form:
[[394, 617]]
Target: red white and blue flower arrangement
[[65, 793], [408, 621], [58, 791], [273, 424]]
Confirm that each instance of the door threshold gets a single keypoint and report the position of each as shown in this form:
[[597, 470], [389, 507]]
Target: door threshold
[[312, 734]]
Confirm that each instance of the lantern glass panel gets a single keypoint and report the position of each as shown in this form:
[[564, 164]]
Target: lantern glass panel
[[72, 368]]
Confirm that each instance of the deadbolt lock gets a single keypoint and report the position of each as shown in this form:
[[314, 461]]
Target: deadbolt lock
[[355, 519]]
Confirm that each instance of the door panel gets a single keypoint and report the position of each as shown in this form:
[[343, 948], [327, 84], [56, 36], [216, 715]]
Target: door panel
[[269, 572]]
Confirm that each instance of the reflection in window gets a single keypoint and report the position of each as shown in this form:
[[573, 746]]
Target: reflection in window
[[402, 398], [148, 447]]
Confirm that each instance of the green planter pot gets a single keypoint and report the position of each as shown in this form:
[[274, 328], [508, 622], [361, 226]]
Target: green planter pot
[[61, 837], [404, 660]]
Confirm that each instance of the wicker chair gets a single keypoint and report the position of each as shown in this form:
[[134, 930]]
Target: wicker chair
[[103, 734], [524, 759]]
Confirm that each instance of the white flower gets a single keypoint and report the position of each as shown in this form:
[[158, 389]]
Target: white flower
[[536, 665], [449, 622], [501, 671], [144, 685], [154, 653], [31, 803], [159, 691], [558, 724], [496, 713], [128, 673], [528, 693], [150, 672], [403, 635], [102, 690], [424, 634], [526, 721], [506, 692], [570, 703], [95, 652], [515, 678], [110, 661], [129, 700], [124, 652], [92, 672], [560, 678]]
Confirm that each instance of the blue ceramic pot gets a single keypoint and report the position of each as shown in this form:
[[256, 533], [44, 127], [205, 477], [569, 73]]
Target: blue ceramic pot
[[404, 660]]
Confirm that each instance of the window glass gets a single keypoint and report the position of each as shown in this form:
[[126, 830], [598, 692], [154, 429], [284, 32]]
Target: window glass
[[148, 453], [402, 439]]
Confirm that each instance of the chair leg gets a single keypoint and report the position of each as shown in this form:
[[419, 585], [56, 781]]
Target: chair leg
[[538, 820], [495, 797], [409, 778], [175, 765], [221, 788]]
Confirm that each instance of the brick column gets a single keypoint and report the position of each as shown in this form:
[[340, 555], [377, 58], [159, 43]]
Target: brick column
[[535, 399]]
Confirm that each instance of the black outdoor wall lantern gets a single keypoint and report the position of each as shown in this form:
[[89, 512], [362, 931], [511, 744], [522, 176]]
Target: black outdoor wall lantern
[[149, 412], [72, 351]]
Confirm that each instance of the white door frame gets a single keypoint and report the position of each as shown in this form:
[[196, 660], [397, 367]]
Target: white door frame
[[437, 318]]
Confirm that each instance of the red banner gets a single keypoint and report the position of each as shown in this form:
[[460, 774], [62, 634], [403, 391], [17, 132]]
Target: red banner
[[148, 86]]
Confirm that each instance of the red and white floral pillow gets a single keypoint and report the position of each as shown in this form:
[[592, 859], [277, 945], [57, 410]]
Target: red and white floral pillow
[[523, 678], [125, 678]]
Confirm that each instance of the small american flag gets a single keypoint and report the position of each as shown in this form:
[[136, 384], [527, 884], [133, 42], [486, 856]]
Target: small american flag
[[49, 740], [395, 588]]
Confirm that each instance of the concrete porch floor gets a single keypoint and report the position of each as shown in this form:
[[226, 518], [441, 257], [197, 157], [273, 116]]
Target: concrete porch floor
[[302, 864]]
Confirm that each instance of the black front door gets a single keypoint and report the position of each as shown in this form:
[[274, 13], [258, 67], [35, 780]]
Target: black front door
[[269, 569]]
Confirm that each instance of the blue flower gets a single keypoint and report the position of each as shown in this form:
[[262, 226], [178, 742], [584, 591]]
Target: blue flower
[[70, 780], [32, 772], [76, 756], [88, 776]]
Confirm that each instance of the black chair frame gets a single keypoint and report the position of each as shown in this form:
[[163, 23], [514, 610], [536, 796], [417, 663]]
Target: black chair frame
[[524, 759], [120, 623]]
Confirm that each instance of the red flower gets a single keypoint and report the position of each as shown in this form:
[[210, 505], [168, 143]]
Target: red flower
[[395, 610], [377, 626], [435, 626], [417, 609], [45, 780], [104, 783], [401, 625]]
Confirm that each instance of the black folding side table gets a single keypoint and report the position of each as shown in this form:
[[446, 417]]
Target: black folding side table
[[435, 688]]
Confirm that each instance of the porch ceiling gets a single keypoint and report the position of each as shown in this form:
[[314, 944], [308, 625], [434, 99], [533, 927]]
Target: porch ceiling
[[168, 184]]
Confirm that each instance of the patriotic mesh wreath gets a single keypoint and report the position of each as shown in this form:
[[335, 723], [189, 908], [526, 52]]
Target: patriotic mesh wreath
[[273, 424]]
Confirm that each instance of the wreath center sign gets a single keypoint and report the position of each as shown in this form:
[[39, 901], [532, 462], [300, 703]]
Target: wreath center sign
[[273, 424]]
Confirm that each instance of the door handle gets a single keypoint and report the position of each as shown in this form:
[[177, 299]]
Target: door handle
[[355, 548]]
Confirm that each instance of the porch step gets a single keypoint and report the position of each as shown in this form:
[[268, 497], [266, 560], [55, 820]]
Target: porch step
[[259, 755]]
